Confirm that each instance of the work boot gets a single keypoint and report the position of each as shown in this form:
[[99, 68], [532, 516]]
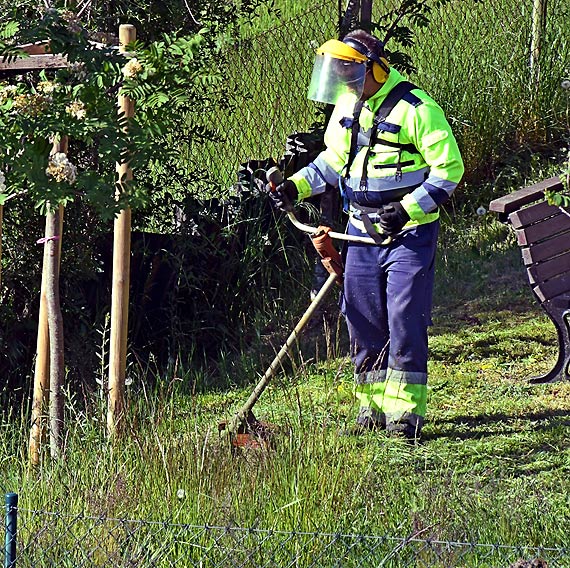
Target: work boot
[[407, 432], [362, 427]]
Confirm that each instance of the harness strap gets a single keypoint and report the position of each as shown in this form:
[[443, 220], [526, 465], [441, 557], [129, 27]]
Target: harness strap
[[354, 136], [369, 228], [387, 106], [406, 147], [391, 100]]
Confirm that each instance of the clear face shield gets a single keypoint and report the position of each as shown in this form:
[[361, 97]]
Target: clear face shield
[[333, 78]]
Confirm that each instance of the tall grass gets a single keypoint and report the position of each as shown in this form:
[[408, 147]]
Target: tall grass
[[481, 74], [492, 467], [494, 462]]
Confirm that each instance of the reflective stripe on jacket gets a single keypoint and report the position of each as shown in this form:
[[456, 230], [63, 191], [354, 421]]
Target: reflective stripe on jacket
[[427, 178]]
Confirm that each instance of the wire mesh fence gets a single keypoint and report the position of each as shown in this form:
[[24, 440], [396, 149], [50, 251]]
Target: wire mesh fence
[[52, 539], [473, 57], [267, 79]]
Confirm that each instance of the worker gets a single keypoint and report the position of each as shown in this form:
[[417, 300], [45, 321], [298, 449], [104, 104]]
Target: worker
[[391, 152]]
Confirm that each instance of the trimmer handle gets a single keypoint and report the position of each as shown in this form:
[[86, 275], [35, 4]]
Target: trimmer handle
[[274, 177]]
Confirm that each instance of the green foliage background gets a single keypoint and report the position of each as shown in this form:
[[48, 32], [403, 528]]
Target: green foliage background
[[207, 103]]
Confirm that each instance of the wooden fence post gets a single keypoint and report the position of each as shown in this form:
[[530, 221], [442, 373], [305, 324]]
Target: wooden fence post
[[49, 287], [538, 26], [121, 276]]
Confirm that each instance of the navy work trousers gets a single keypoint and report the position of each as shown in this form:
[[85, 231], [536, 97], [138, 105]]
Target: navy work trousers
[[387, 303]]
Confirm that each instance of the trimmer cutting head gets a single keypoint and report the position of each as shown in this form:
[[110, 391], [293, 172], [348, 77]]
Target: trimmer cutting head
[[252, 434]]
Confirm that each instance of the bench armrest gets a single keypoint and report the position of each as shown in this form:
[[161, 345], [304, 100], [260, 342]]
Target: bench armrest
[[513, 201]]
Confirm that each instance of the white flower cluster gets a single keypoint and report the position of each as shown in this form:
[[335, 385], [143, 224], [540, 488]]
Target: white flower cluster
[[76, 109], [47, 87], [2, 182], [566, 82], [7, 92], [132, 68], [232, 208], [194, 229], [61, 169]]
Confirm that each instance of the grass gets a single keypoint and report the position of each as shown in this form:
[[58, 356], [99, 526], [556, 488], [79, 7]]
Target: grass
[[495, 457], [492, 468]]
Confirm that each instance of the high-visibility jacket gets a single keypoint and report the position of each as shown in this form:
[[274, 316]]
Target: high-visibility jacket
[[414, 157]]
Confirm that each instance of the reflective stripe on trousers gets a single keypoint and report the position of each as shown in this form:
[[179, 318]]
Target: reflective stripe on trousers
[[387, 304]]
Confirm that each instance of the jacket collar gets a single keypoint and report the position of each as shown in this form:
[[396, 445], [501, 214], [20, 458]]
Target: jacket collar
[[376, 99]]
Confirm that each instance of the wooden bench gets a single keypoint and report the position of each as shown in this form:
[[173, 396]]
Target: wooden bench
[[543, 234]]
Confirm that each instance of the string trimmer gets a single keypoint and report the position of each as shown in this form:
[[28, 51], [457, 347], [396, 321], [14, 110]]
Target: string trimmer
[[243, 428]]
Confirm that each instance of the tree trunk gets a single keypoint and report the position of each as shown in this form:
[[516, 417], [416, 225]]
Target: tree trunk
[[42, 366], [55, 324]]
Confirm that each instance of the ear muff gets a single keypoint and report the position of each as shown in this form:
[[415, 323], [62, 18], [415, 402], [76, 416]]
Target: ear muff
[[380, 65], [381, 70]]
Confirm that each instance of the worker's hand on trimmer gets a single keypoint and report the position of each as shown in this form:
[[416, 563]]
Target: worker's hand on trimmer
[[284, 195], [393, 218]]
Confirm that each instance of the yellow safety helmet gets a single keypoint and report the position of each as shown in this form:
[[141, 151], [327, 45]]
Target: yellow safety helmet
[[340, 50], [340, 68]]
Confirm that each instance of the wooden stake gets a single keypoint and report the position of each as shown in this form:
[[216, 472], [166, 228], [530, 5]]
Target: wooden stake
[[121, 276], [42, 366], [41, 373], [538, 26]]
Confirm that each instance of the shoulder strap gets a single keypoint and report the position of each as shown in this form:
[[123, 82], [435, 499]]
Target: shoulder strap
[[392, 99], [354, 136], [399, 92]]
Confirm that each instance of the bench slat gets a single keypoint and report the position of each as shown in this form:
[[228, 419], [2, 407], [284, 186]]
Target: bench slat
[[543, 230], [532, 214], [553, 288], [546, 249], [549, 269], [513, 201]]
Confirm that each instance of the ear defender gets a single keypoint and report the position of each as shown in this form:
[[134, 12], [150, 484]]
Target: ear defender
[[381, 70]]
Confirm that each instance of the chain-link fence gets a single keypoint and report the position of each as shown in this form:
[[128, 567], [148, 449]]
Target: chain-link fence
[[473, 57], [47, 539], [267, 78]]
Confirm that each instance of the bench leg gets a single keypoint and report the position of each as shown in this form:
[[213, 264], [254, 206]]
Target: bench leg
[[561, 320]]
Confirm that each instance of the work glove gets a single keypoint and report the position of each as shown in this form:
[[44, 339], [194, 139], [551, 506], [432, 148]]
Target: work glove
[[393, 218], [283, 196]]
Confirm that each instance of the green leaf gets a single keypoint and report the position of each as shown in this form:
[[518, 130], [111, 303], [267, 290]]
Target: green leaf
[[556, 198], [9, 30], [3, 198], [157, 99]]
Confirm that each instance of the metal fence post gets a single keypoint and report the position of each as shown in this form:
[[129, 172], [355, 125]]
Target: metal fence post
[[366, 15], [11, 530]]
